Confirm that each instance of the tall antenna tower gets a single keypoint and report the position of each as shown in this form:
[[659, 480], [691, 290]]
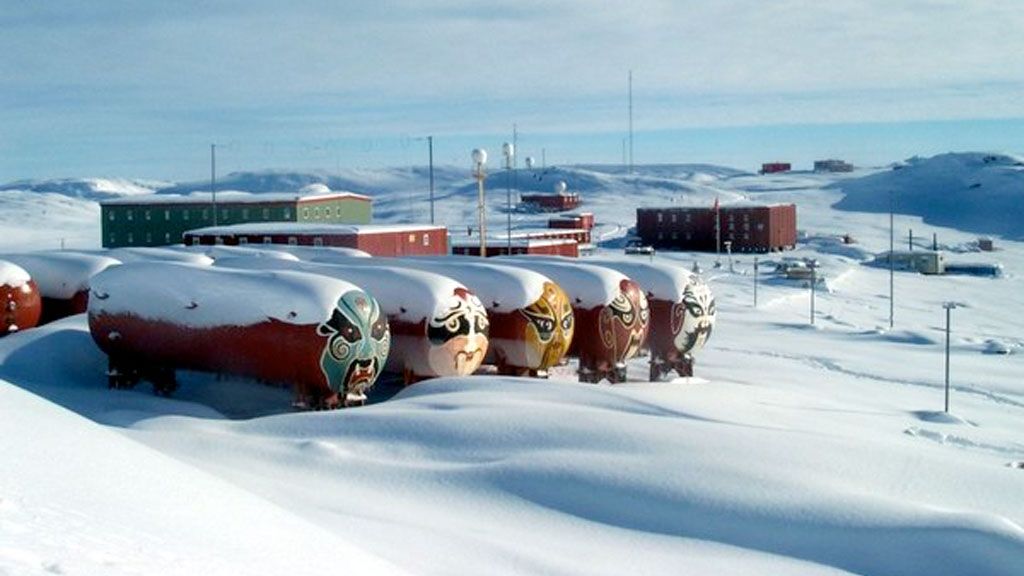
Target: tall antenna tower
[[630, 121]]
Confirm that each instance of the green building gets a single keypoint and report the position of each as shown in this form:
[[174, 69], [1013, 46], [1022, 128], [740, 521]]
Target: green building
[[162, 219]]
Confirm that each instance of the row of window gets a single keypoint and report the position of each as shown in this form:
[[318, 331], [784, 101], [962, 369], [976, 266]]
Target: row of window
[[675, 217], [689, 236], [129, 238], [202, 214], [328, 212]]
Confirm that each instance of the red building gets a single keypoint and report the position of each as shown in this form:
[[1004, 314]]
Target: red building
[[775, 167], [378, 240], [550, 247], [583, 220], [552, 202], [749, 228]]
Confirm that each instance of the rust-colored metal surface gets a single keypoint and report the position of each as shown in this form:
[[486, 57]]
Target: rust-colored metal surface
[[607, 336], [57, 308], [530, 340], [22, 307], [329, 364], [679, 328]]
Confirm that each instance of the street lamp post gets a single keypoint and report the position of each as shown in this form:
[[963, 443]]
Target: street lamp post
[[509, 151], [430, 152], [892, 259], [814, 288], [949, 306], [479, 156], [755, 281]]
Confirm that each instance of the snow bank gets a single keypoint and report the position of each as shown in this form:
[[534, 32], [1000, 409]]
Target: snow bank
[[208, 297], [977, 192], [13, 275], [589, 286], [410, 295], [61, 274], [501, 288], [80, 498]]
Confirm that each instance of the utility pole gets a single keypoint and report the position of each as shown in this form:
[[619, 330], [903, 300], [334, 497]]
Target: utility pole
[[430, 152], [949, 307], [213, 180], [892, 258], [814, 288], [755, 281], [630, 121]]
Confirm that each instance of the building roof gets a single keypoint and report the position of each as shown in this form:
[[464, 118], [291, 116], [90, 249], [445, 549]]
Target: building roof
[[307, 229], [228, 197], [519, 243]]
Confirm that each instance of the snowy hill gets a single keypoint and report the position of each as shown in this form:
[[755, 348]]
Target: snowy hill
[[86, 188], [976, 192]]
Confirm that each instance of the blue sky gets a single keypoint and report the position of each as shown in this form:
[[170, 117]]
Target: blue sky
[[121, 88]]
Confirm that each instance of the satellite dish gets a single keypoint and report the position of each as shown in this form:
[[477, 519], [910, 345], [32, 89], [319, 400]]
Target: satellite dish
[[560, 187], [529, 162], [479, 156]]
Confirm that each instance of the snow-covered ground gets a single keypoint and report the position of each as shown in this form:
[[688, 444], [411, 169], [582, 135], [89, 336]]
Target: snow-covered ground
[[797, 449]]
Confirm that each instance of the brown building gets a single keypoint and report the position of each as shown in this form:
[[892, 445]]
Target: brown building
[[750, 228], [550, 247], [376, 239], [552, 202], [578, 220], [775, 167]]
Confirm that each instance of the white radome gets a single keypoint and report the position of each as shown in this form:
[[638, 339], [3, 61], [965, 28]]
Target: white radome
[[479, 156], [560, 187]]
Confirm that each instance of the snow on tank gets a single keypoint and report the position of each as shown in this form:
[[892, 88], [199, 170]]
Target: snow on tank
[[531, 318], [158, 254], [62, 279], [611, 313], [683, 312], [439, 327], [19, 298], [326, 337], [216, 251]]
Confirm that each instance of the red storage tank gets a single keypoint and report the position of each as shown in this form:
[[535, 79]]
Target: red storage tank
[[531, 319], [326, 338], [63, 279], [438, 326], [611, 314], [683, 313], [22, 305]]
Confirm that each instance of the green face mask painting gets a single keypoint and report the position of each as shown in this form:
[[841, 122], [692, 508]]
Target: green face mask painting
[[357, 346]]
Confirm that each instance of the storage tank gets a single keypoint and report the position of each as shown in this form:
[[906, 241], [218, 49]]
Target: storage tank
[[326, 338], [19, 296], [438, 326], [62, 278]]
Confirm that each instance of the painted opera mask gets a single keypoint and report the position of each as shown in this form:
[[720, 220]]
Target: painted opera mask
[[458, 335], [624, 322], [694, 318], [358, 341], [550, 328]]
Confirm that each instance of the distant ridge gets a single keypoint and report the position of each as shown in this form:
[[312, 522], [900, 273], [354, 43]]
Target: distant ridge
[[977, 192]]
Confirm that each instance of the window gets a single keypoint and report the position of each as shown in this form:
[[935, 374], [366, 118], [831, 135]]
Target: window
[[305, 212], [674, 215], [687, 216], [287, 213], [426, 239], [195, 240], [149, 238], [760, 226], [167, 215], [129, 214], [131, 238], [218, 240], [660, 217], [243, 240], [316, 213], [689, 236], [245, 213], [184, 214], [167, 237], [224, 214], [318, 241], [148, 215], [267, 240], [113, 238], [661, 235], [266, 213], [206, 214], [293, 241], [110, 215], [675, 236], [412, 238], [327, 212]]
